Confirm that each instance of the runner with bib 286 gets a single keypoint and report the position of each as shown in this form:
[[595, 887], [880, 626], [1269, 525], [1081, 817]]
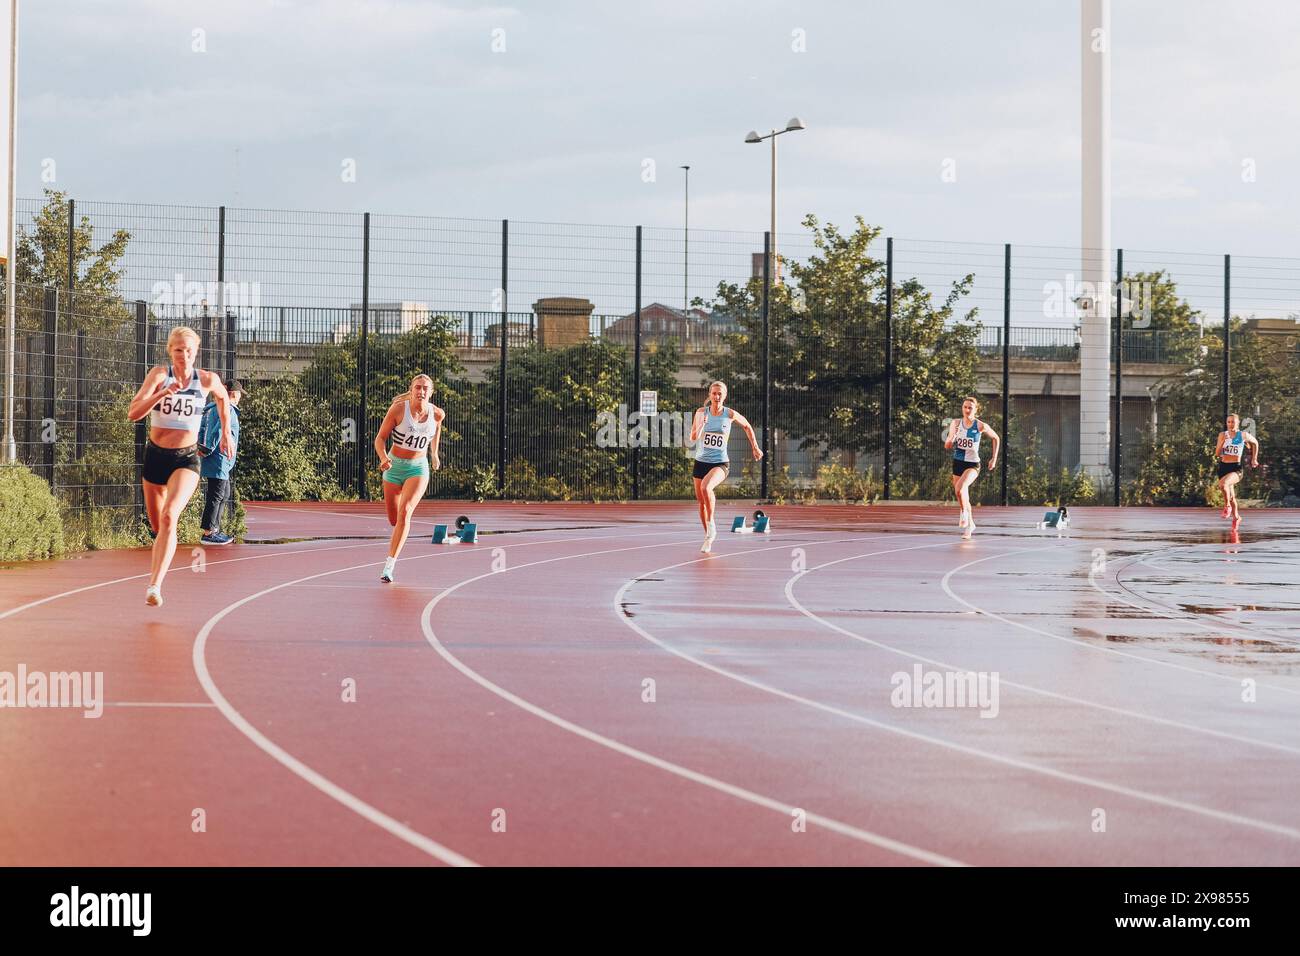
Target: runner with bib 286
[[964, 436]]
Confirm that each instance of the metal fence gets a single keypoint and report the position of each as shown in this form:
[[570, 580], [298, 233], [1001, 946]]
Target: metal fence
[[544, 330]]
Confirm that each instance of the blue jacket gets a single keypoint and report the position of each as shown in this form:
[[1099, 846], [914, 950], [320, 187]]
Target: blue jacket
[[217, 465]]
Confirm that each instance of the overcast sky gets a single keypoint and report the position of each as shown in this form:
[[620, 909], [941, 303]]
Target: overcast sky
[[549, 111]]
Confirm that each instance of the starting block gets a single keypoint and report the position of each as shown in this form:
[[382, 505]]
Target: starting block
[[1058, 520], [760, 525], [466, 532]]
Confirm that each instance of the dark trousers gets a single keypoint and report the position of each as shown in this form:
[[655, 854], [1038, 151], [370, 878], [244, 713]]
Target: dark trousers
[[215, 500]]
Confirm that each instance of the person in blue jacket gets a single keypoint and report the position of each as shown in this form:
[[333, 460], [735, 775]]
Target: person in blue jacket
[[216, 467]]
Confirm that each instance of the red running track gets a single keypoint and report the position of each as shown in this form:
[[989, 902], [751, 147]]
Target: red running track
[[584, 687]]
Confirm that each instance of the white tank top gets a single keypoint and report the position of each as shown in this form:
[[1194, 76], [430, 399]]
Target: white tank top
[[412, 435], [184, 409], [1233, 444]]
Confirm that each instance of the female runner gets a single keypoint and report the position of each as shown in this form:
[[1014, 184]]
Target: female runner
[[711, 428], [415, 425], [174, 397], [964, 436], [1229, 451]]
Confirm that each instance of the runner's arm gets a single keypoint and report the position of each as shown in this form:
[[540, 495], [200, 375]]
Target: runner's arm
[[743, 422]]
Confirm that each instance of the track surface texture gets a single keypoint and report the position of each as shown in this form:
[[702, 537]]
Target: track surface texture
[[582, 686]]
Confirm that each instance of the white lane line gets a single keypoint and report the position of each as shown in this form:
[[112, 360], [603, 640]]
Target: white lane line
[[1015, 762], [1054, 695], [722, 786], [292, 763], [145, 575], [945, 584]]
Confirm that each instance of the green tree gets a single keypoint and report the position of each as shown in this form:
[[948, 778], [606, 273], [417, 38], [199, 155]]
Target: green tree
[[288, 446], [553, 417], [828, 354], [334, 376], [1175, 463], [1157, 305], [42, 261], [1163, 327]]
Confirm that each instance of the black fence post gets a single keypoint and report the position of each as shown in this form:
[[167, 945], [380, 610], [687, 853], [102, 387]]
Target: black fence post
[[70, 307], [232, 340], [767, 362], [1227, 336], [141, 366], [79, 404], [889, 361], [636, 375], [72, 246], [49, 426], [501, 391], [209, 343], [29, 356], [228, 341], [1006, 366], [363, 361], [1119, 368]]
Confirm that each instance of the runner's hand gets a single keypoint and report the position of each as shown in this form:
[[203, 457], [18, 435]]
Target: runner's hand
[[385, 462]]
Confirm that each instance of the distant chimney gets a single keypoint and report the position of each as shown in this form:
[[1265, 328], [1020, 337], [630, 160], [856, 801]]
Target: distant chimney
[[562, 321], [756, 266]]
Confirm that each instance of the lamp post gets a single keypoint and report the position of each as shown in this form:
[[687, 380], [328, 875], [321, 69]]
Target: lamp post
[[686, 248], [753, 137], [10, 450]]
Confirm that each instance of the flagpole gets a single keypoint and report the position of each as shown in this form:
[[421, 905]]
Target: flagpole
[[11, 252]]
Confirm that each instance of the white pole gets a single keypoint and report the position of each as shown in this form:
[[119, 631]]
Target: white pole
[[11, 252], [1094, 351]]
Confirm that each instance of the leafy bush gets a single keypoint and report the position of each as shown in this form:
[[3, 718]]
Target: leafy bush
[[288, 446], [31, 527], [848, 485]]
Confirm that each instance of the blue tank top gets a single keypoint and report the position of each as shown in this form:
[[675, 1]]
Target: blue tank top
[[966, 446], [712, 447]]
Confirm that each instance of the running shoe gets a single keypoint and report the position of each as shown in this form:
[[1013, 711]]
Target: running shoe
[[153, 596], [709, 535], [216, 538], [387, 575], [1227, 511]]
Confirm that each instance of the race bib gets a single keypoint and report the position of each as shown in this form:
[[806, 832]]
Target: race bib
[[965, 443], [182, 406], [416, 442], [713, 440]]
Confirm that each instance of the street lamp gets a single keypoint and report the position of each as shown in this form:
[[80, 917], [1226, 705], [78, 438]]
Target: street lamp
[[686, 248], [753, 137]]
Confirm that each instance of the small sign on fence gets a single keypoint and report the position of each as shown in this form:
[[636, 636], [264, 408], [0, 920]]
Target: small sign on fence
[[649, 404]]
